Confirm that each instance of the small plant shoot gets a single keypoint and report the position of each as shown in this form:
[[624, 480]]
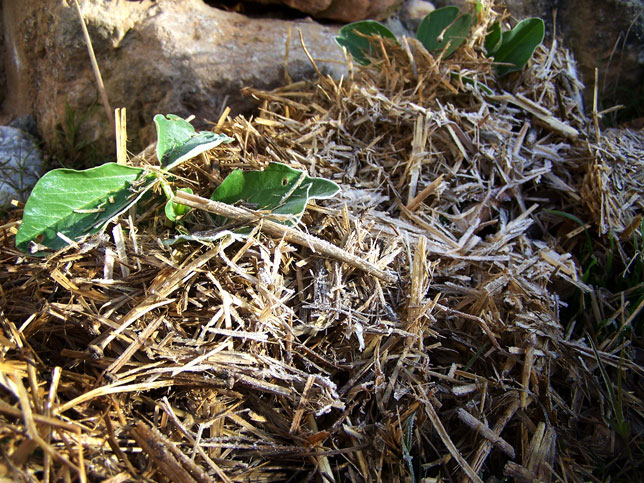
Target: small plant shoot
[[280, 189], [355, 37], [444, 30], [68, 205], [174, 211]]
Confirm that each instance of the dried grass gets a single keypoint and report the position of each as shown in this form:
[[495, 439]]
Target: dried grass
[[271, 359]]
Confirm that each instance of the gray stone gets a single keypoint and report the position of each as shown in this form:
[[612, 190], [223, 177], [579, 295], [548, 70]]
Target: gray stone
[[21, 165], [26, 123], [413, 12]]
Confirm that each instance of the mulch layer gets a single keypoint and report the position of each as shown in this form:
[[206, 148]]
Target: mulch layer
[[417, 326]]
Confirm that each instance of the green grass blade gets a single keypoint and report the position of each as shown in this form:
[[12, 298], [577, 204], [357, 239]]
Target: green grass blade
[[571, 217], [407, 443]]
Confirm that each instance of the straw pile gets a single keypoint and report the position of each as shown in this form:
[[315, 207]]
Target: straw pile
[[444, 355]]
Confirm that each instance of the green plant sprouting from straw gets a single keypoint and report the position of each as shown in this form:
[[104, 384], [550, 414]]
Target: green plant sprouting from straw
[[443, 31], [66, 205]]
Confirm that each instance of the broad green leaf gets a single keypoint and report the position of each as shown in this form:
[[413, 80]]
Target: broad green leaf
[[175, 210], [442, 27], [518, 45], [354, 37], [177, 140], [77, 203], [493, 38], [279, 188]]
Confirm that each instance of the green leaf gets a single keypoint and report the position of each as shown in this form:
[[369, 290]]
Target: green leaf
[[478, 9], [354, 37], [442, 27], [77, 203], [493, 38], [473, 82], [173, 210], [279, 188], [177, 140], [518, 45]]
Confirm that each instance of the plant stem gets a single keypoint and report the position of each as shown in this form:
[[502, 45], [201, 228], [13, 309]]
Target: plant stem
[[277, 229]]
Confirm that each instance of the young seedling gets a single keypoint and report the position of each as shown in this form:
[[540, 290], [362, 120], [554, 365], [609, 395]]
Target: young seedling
[[443, 31], [67, 204], [513, 48]]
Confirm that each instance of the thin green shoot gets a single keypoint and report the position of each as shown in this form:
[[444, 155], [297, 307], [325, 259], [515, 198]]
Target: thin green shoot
[[407, 441], [476, 355], [617, 422]]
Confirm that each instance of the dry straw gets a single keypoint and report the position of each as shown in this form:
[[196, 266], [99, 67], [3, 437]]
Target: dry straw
[[431, 287]]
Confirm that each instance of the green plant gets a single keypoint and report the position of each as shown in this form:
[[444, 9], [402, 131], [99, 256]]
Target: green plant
[[616, 399], [280, 189], [622, 276], [443, 31], [355, 37], [174, 211], [74, 203], [66, 205], [513, 48], [177, 140]]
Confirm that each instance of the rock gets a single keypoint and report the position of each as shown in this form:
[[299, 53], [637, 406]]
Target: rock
[[27, 124], [609, 35], [21, 165], [413, 12], [521, 9], [155, 56], [342, 10], [3, 73], [396, 27]]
